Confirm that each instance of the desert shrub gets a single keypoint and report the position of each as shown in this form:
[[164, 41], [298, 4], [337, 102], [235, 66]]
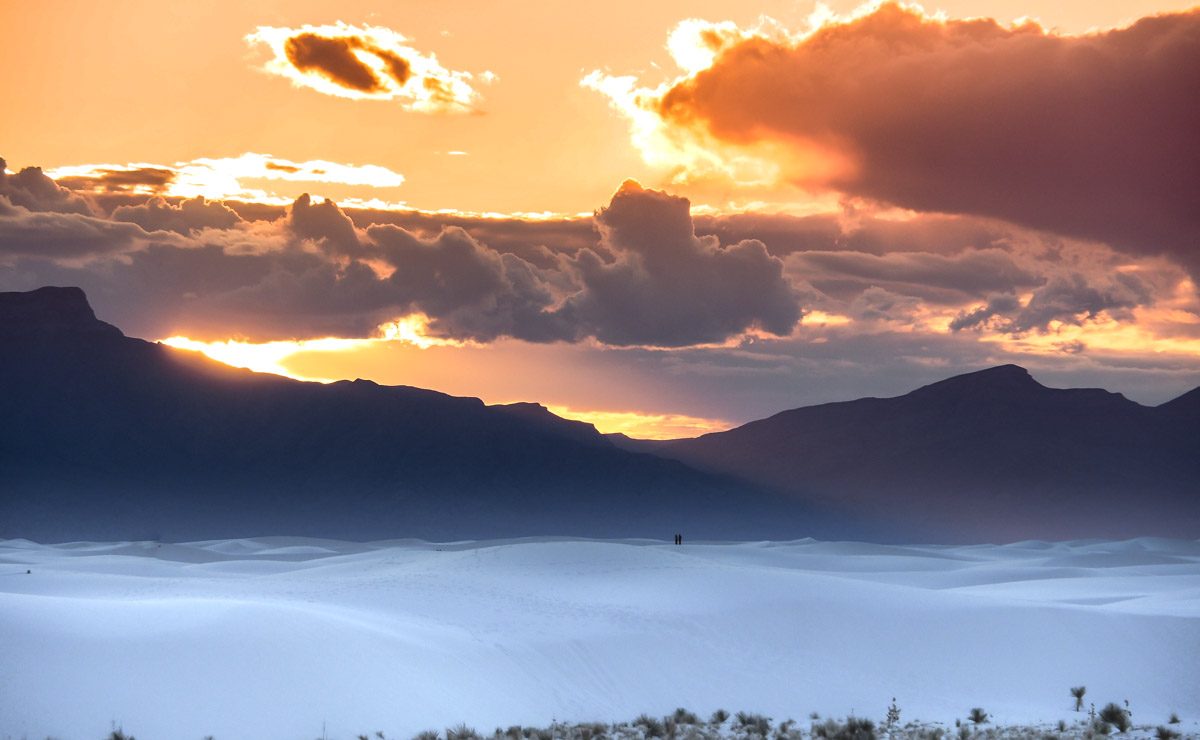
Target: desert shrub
[[858, 729], [1062, 725], [1174, 720], [963, 732], [1114, 715], [119, 734], [853, 729], [670, 727], [651, 726], [427, 735], [590, 730], [718, 717], [977, 715], [1165, 733], [753, 723], [462, 732], [684, 717]]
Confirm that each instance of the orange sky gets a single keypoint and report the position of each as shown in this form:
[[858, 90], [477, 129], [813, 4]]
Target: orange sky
[[148, 81], [189, 86]]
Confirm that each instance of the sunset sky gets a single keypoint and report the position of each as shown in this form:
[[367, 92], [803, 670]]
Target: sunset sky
[[661, 217]]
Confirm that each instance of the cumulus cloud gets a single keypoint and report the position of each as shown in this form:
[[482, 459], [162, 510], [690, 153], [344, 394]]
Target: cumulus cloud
[[57, 235], [32, 189], [190, 214], [366, 62], [641, 272], [1091, 136], [196, 266], [470, 290], [323, 221], [667, 286]]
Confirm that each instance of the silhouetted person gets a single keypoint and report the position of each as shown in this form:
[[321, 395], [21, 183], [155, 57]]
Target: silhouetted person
[[678, 539]]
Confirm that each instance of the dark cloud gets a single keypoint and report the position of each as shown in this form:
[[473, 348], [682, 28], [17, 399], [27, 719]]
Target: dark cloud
[[935, 277], [1092, 136], [192, 214], [641, 271], [367, 61], [667, 286], [138, 179], [470, 290], [32, 189], [397, 66], [334, 59], [1070, 299], [325, 221], [57, 235]]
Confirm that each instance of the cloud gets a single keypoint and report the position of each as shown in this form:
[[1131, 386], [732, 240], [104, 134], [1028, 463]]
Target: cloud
[[1091, 136], [34, 190], [366, 63], [57, 235], [191, 214], [325, 221], [220, 178], [468, 290], [120, 179], [933, 277], [666, 286], [1066, 299], [641, 272]]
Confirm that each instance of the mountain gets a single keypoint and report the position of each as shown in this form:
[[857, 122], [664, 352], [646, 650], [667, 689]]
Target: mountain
[[987, 455], [108, 437]]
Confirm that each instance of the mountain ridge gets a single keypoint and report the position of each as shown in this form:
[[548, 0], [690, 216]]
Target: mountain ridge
[[115, 437], [994, 444], [108, 436]]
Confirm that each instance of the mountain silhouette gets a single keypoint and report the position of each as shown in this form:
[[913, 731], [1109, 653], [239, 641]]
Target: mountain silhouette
[[986, 455], [109, 437], [103, 436]]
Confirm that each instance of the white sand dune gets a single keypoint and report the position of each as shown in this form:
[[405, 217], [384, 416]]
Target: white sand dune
[[268, 638]]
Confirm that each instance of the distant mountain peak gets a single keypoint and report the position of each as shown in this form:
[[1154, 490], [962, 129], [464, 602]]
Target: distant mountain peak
[[50, 310], [999, 379]]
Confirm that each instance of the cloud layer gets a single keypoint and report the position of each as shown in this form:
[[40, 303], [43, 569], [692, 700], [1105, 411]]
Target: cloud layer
[[196, 266], [1091, 136], [366, 63], [750, 295]]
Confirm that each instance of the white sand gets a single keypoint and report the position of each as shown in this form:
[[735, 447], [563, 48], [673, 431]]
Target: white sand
[[268, 638]]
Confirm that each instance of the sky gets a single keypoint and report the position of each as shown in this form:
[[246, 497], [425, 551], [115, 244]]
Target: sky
[[664, 218]]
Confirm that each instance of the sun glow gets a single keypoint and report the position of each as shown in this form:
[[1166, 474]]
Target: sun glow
[[230, 178], [1153, 330], [642, 425], [271, 357]]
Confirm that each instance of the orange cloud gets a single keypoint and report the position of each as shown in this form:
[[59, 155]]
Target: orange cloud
[[366, 63], [1091, 136]]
